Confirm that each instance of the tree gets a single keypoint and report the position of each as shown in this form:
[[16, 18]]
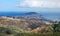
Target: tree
[[55, 27]]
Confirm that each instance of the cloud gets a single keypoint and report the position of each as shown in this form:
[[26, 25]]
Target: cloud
[[40, 3]]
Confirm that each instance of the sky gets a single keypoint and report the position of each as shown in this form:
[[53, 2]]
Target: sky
[[30, 5]]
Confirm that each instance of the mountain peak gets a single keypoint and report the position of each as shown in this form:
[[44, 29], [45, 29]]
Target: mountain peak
[[30, 13]]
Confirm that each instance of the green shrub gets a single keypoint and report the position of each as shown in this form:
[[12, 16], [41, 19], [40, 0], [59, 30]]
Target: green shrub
[[6, 30]]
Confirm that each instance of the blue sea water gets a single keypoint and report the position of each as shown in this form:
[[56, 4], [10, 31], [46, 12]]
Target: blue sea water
[[50, 16], [10, 13]]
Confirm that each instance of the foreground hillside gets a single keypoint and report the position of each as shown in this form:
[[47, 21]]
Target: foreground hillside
[[25, 27], [30, 24]]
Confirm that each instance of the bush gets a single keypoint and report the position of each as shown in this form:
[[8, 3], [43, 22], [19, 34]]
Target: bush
[[6, 30], [56, 27]]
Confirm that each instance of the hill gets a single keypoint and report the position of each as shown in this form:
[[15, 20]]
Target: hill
[[27, 22]]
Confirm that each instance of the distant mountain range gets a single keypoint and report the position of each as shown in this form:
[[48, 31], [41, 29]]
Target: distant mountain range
[[49, 16], [28, 15]]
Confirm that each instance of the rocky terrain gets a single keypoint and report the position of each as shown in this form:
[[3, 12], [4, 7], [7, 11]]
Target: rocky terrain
[[28, 22]]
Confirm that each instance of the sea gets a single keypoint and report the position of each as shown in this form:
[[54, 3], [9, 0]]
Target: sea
[[52, 16]]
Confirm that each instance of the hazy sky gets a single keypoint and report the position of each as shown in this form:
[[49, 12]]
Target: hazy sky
[[30, 5]]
